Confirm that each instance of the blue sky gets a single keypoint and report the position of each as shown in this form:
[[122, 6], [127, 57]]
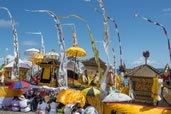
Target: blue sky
[[137, 35]]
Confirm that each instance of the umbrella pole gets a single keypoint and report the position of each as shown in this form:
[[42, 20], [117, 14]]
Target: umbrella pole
[[74, 69]]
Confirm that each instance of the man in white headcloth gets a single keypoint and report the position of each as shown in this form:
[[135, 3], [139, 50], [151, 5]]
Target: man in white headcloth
[[23, 102]]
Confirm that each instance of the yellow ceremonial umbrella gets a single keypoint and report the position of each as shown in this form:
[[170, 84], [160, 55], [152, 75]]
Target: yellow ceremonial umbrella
[[91, 91], [76, 51], [36, 58]]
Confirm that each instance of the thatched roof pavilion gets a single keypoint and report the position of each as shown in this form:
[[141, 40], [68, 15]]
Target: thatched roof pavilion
[[143, 71], [92, 63]]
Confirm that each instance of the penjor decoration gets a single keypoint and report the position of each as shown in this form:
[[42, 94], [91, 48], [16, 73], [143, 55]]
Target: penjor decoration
[[160, 25], [62, 77], [16, 49], [118, 34], [106, 43], [114, 59], [95, 51]]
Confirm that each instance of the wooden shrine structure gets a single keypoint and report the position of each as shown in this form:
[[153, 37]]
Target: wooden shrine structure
[[141, 80]]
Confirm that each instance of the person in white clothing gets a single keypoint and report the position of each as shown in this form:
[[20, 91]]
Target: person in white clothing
[[42, 107], [23, 103], [68, 108], [53, 106]]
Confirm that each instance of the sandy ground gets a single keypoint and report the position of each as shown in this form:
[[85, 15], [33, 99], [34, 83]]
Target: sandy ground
[[10, 112]]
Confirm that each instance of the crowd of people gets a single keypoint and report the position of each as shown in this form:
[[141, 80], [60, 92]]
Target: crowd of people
[[44, 102]]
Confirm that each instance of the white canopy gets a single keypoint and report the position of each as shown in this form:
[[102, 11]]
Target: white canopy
[[21, 64], [31, 51], [29, 63], [116, 97], [52, 55]]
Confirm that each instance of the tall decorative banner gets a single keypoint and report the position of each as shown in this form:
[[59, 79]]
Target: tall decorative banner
[[114, 59], [160, 25], [118, 34], [106, 40], [62, 76], [95, 51], [42, 43], [42, 40], [106, 43], [16, 49]]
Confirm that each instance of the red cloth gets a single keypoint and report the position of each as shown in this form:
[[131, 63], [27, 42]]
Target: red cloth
[[35, 78], [165, 77]]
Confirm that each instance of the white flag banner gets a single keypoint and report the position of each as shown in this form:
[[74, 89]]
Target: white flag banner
[[15, 69], [106, 44]]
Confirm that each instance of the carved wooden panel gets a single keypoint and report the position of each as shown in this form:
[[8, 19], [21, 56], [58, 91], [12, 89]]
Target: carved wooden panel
[[142, 84]]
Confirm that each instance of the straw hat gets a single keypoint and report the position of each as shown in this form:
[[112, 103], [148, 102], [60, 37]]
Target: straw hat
[[47, 98], [21, 97]]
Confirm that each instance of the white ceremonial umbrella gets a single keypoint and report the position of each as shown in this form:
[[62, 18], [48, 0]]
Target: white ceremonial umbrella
[[116, 97], [51, 55], [31, 51]]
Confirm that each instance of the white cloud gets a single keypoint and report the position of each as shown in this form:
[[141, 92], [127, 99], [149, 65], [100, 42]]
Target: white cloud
[[87, 0], [10, 58], [166, 11], [4, 23], [29, 43], [6, 49], [141, 61]]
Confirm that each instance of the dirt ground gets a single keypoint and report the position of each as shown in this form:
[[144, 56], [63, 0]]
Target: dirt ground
[[11, 112]]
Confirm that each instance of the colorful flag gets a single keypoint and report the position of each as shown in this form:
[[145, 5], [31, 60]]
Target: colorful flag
[[62, 76], [16, 49], [160, 25]]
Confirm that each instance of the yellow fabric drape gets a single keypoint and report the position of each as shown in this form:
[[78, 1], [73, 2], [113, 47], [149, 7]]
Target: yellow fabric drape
[[155, 89], [124, 90], [46, 73], [133, 109], [96, 102], [117, 78], [117, 81], [71, 96], [7, 92]]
